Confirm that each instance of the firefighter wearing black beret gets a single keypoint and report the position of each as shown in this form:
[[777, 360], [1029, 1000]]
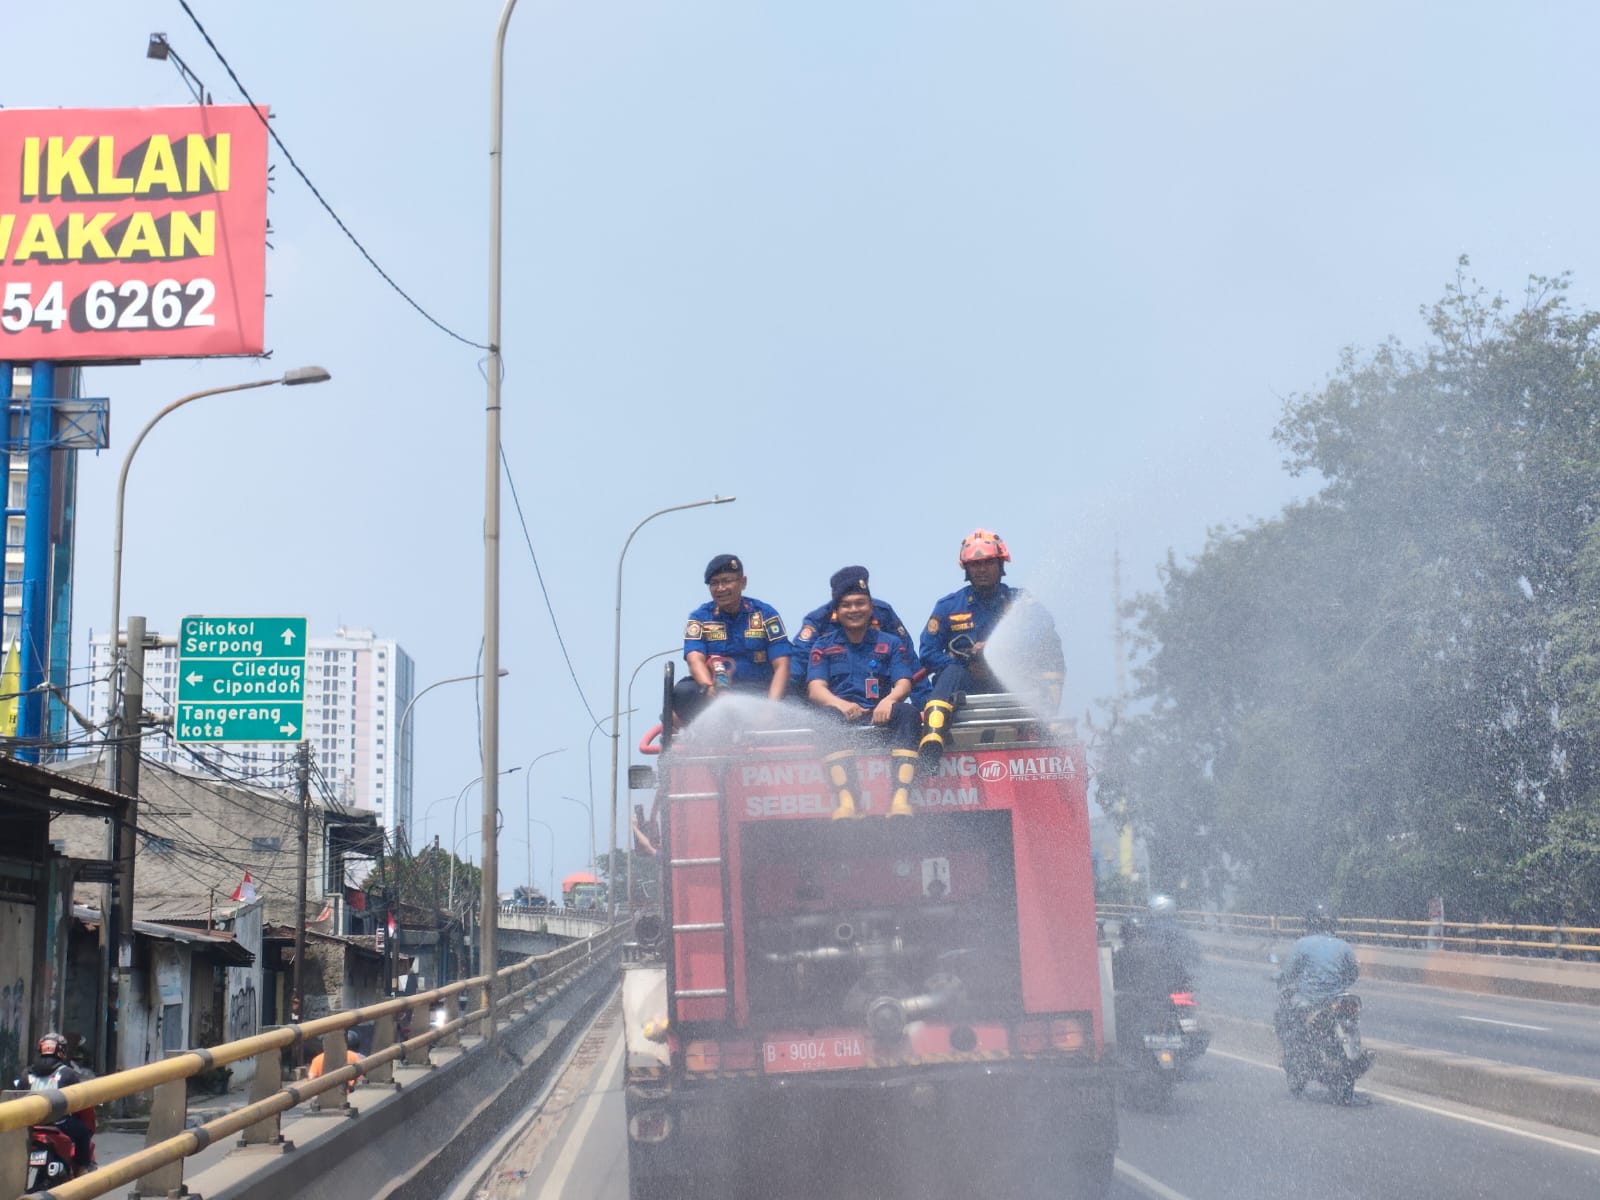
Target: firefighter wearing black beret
[[731, 641], [862, 674]]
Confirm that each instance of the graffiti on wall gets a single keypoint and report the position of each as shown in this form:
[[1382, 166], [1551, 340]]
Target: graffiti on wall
[[13, 1017], [243, 1007]]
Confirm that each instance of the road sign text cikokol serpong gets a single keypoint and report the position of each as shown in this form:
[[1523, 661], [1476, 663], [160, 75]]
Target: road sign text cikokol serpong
[[221, 637]]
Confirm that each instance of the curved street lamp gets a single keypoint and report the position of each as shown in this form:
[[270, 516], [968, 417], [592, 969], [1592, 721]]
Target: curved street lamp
[[616, 668], [589, 808], [405, 713], [631, 711], [454, 812], [300, 375], [527, 809], [551, 861]]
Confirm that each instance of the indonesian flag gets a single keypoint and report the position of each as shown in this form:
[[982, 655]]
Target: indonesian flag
[[246, 891]]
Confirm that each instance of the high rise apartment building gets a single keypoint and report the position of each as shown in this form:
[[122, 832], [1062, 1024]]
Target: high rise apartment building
[[356, 690]]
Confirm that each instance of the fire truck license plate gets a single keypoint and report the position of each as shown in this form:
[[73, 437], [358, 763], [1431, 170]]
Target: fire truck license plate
[[814, 1054], [36, 1158]]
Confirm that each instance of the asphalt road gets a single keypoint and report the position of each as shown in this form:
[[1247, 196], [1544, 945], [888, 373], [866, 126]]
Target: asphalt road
[[1231, 1133], [1564, 1038]]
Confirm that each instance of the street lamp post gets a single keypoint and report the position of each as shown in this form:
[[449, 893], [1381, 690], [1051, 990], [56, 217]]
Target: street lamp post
[[589, 808], [631, 711], [551, 830], [491, 508], [124, 765], [489, 824], [299, 375], [405, 713], [589, 765], [428, 812], [616, 667], [527, 807]]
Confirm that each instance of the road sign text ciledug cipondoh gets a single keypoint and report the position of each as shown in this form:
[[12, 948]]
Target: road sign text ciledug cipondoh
[[241, 679]]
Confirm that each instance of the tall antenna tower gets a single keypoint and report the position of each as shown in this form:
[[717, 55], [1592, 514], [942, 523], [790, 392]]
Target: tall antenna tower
[[1119, 643]]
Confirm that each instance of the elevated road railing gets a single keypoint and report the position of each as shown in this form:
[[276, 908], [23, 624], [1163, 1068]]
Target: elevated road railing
[[1577, 943], [157, 1170]]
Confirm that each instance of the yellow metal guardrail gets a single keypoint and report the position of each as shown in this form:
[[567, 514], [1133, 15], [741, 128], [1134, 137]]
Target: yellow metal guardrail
[[158, 1167], [1543, 941]]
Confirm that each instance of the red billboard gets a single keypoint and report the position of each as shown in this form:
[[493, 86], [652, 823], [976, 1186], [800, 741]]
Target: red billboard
[[132, 232]]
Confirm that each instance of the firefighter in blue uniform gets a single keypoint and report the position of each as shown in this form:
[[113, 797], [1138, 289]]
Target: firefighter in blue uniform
[[731, 641], [863, 675], [952, 644], [822, 619]]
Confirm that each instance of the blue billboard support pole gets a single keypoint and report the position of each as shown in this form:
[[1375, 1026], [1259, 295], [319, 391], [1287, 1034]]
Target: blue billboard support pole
[[34, 636]]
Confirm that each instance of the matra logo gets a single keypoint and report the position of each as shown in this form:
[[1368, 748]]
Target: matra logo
[[1034, 766]]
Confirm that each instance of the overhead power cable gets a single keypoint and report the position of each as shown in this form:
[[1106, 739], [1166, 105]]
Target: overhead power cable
[[345, 229], [538, 574]]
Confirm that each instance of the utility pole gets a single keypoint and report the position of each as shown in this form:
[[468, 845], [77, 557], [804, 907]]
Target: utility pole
[[297, 1003], [130, 737]]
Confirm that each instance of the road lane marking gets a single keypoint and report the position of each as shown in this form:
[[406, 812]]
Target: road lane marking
[[1442, 1112], [1507, 1024], [1139, 1179], [574, 1137]]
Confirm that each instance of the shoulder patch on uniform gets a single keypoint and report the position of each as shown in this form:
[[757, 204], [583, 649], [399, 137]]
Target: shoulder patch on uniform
[[692, 631], [933, 624], [774, 627], [807, 632]]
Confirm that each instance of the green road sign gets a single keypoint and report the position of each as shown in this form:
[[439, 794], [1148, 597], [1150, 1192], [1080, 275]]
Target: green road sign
[[241, 679]]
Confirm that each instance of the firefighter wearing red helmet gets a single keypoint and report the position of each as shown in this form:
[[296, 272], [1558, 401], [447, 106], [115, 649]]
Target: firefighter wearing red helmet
[[952, 643]]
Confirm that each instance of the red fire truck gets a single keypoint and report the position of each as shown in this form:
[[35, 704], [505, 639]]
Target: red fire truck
[[916, 995]]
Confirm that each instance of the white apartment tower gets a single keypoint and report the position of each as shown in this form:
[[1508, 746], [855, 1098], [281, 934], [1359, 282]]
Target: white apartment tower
[[357, 688]]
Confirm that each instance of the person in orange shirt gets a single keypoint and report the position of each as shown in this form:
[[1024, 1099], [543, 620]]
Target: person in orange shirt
[[352, 1040]]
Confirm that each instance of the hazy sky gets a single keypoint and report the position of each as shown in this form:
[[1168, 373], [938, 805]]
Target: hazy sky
[[885, 272]]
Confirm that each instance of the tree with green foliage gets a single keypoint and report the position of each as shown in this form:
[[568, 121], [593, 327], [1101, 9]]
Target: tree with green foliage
[[424, 880], [1392, 690]]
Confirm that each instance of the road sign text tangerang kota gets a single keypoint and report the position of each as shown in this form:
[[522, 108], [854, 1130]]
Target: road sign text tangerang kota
[[241, 679]]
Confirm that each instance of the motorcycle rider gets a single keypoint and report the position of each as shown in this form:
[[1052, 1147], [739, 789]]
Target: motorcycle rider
[[1157, 956], [952, 643], [50, 1071], [1320, 967]]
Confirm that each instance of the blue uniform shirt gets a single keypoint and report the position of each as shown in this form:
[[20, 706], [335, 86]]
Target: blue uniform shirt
[[751, 638], [965, 613], [864, 672], [821, 620]]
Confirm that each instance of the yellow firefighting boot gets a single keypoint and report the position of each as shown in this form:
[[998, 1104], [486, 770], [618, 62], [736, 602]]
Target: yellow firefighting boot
[[904, 763], [840, 776], [936, 715]]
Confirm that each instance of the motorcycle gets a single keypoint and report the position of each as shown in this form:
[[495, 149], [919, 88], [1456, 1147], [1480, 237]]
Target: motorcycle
[[1160, 1038], [1195, 1040], [1323, 1043], [49, 1157]]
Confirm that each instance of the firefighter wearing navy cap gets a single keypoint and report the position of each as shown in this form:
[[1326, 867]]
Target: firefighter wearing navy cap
[[863, 675], [732, 641], [823, 619], [951, 647]]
